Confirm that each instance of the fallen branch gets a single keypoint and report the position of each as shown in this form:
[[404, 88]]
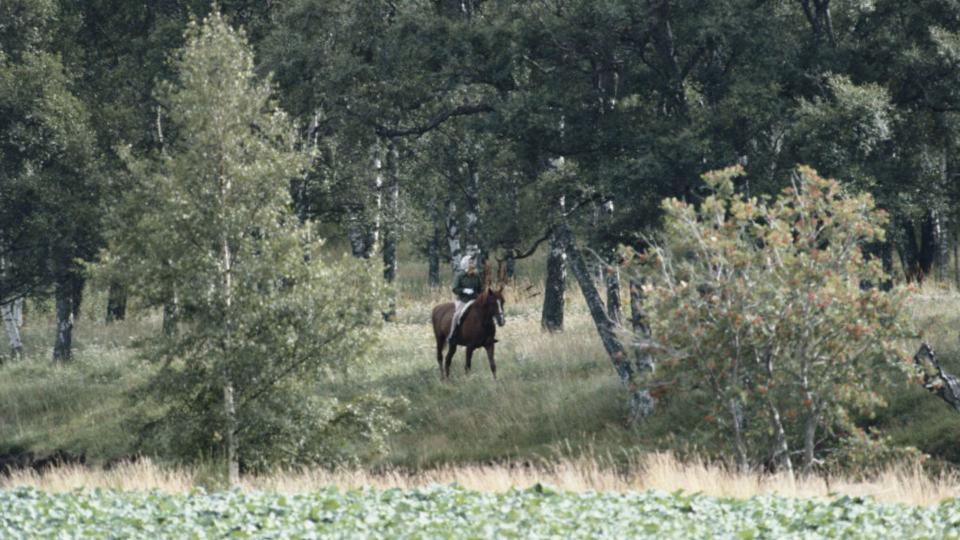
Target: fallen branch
[[935, 379]]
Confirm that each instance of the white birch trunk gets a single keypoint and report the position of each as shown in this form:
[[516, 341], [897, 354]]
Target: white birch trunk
[[554, 287], [12, 313], [472, 212], [233, 459], [644, 403], [229, 405], [376, 188]]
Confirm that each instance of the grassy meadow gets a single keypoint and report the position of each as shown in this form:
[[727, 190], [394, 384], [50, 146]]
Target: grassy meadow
[[556, 412]]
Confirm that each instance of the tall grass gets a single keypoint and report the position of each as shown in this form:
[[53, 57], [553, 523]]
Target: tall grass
[[657, 471]]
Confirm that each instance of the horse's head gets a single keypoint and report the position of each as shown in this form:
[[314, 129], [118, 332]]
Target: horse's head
[[492, 302]]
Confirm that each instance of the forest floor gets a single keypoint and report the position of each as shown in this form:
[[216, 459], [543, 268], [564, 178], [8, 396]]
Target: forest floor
[[555, 412]]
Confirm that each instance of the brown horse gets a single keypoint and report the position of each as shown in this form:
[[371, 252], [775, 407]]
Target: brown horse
[[477, 329]]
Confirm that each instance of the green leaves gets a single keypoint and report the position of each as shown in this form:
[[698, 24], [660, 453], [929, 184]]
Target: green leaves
[[450, 512], [261, 311], [49, 189], [772, 302]]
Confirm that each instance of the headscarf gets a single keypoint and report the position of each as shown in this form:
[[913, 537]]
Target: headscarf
[[465, 262]]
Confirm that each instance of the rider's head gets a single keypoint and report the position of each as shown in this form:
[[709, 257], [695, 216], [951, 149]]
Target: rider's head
[[467, 265]]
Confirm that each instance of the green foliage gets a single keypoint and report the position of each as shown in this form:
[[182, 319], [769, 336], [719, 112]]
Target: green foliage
[[771, 305], [49, 191], [25, 25], [450, 512], [262, 311]]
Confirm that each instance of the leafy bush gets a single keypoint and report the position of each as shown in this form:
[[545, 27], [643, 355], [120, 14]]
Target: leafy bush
[[771, 306]]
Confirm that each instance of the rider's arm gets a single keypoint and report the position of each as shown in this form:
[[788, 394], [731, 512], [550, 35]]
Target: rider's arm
[[458, 284]]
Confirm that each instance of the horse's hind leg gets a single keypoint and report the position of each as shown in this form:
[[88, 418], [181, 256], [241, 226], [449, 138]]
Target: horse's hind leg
[[493, 363], [446, 363]]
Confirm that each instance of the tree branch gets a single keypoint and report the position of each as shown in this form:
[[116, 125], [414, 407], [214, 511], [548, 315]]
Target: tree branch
[[935, 379], [462, 110]]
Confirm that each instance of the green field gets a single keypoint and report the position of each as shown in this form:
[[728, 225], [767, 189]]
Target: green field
[[450, 512]]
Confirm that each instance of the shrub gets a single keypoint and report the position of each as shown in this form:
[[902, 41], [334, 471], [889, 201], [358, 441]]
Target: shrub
[[771, 305]]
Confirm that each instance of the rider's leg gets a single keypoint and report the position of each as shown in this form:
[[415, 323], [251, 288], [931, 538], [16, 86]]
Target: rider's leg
[[457, 306]]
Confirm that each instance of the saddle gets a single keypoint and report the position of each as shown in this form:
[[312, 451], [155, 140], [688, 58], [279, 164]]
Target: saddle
[[458, 318]]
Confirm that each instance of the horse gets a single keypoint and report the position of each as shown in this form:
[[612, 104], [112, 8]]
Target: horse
[[477, 329]]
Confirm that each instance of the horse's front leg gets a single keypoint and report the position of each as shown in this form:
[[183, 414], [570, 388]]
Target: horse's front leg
[[446, 363], [493, 363], [441, 343], [469, 358]]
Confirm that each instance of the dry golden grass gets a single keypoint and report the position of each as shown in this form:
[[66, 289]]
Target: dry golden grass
[[656, 471]]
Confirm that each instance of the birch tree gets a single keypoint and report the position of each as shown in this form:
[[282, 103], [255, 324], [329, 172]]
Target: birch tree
[[257, 318]]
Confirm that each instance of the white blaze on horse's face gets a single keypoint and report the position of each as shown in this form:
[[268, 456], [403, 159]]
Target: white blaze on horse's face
[[500, 319]]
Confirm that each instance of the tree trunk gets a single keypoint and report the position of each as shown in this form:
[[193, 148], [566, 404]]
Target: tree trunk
[[513, 233], [229, 406], [612, 279], [12, 313], [116, 302], [781, 454], [886, 260], [739, 444], [233, 457], [77, 282], [376, 188], [64, 294], [391, 224], [391, 217], [453, 227], [471, 228], [606, 329], [642, 358], [810, 437], [663, 43], [942, 242], [928, 244], [433, 246], [555, 285], [908, 251], [956, 263], [357, 234]]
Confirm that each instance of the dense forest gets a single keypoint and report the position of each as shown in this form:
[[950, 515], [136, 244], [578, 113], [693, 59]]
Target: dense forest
[[184, 158]]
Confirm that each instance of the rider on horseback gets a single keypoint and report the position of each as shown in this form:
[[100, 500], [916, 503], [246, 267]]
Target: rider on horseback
[[466, 286]]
